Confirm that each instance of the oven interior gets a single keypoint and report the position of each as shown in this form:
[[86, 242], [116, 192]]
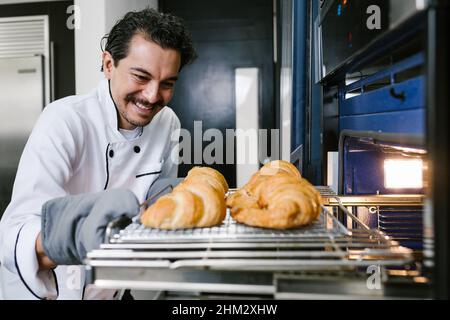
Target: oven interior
[[385, 164]]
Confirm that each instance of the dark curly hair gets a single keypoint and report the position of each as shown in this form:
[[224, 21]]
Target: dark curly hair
[[163, 29]]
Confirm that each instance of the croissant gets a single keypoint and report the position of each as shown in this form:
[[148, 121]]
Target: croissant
[[280, 166], [276, 197], [209, 176], [248, 195], [197, 202]]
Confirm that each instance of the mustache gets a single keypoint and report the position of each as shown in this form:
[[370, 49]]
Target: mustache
[[133, 98]]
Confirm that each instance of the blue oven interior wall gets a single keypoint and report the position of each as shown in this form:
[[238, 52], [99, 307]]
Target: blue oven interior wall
[[364, 175]]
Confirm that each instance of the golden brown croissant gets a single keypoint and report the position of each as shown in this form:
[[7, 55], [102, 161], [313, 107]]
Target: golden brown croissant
[[279, 166], [210, 176], [276, 197], [248, 195], [198, 201]]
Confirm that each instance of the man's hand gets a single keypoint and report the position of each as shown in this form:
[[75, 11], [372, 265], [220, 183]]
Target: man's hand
[[44, 262], [74, 225]]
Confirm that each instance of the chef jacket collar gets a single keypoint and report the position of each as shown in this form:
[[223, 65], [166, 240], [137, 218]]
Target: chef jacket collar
[[108, 106]]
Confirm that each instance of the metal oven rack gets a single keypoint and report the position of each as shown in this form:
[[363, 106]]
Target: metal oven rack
[[236, 259]]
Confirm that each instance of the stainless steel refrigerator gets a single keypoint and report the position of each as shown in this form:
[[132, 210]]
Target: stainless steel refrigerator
[[21, 101]]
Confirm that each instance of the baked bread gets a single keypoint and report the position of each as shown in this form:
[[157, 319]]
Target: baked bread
[[209, 176], [276, 197], [197, 202], [248, 194]]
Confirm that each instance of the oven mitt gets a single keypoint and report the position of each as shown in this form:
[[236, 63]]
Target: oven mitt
[[161, 187], [72, 226]]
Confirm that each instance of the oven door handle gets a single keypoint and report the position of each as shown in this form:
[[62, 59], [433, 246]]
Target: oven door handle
[[398, 95]]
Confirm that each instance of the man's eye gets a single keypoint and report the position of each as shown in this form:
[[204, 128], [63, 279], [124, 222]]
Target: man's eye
[[167, 85], [140, 78]]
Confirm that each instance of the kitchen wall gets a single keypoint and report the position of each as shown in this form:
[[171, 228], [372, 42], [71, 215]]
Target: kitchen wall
[[228, 35], [96, 18]]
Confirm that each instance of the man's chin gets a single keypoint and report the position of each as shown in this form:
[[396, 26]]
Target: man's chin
[[141, 122]]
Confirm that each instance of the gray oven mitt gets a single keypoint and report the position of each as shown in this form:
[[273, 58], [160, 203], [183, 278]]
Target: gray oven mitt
[[74, 225]]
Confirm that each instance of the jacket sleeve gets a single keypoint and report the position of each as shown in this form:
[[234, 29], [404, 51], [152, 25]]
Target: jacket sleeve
[[45, 167], [171, 154]]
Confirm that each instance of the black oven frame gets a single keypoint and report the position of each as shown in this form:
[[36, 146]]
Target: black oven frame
[[438, 100]]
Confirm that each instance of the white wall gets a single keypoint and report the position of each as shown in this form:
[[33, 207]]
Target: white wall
[[96, 18], [87, 44], [247, 118]]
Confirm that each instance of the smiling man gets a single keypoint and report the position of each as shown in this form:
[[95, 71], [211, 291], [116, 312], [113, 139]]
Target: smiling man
[[143, 82], [91, 159]]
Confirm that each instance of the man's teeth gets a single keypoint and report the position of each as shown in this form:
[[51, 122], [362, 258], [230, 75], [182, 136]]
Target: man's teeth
[[141, 106]]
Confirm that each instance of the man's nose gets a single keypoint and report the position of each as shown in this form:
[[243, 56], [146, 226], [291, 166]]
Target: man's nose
[[151, 93]]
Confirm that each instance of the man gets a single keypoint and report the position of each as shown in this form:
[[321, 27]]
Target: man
[[118, 136]]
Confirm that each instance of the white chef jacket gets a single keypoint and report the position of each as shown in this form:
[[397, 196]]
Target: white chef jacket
[[76, 148]]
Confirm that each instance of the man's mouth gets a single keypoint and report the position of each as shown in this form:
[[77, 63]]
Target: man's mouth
[[143, 108]]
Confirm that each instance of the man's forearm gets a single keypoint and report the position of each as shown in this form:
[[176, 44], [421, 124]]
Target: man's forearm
[[44, 262]]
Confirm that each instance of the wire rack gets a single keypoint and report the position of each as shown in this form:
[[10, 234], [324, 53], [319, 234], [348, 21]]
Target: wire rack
[[325, 245], [233, 259], [229, 231]]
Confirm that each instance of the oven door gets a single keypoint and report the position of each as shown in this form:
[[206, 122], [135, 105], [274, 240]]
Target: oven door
[[345, 28]]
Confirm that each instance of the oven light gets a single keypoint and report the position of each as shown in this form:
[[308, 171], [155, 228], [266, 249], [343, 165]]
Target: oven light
[[403, 174]]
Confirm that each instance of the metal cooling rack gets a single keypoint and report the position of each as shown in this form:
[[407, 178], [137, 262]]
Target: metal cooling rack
[[229, 231], [326, 243], [233, 258]]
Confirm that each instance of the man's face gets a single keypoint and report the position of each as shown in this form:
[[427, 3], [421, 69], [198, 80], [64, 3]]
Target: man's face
[[143, 82]]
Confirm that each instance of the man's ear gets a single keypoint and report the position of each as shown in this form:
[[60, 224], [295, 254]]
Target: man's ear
[[108, 64]]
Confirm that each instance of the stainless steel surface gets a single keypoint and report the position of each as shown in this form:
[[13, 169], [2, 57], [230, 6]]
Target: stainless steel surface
[[325, 287], [377, 200], [28, 36], [21, 102], [22, 36], [19, 110], [193, 280], [52, 71], [24, 90], [240, 259]]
